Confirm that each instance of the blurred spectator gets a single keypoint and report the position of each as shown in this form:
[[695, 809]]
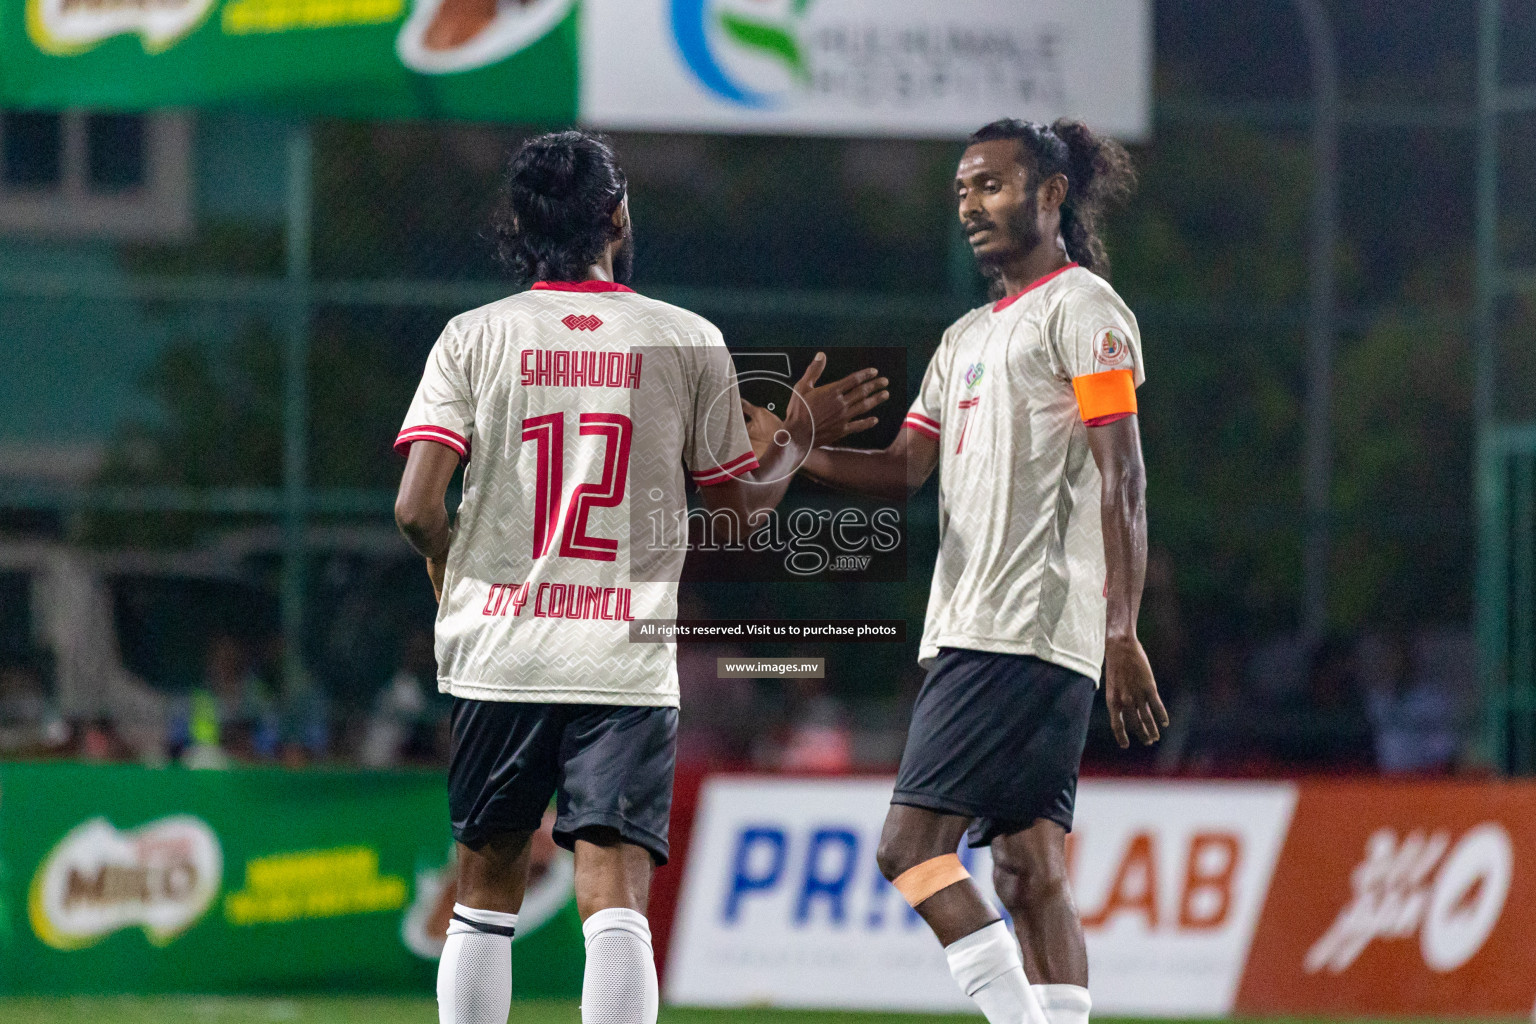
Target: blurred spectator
[[303, 708], [1413, 707], [30, 723], [880, 727], [1164, 638], [818, 739], [1220, 726], [717, 718], [231, 715], [1328, 729], [1340, 734], [403, 724], [1277, 671], [99, 740], [1162, 626]]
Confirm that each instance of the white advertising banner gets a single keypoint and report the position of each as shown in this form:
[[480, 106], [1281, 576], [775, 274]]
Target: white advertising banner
[[919, 68], [782, 903], [1170, 880]]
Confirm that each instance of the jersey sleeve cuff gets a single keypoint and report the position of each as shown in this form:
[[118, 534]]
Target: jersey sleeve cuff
[[737, 467], [425, 432], [1103, 395], [922, 424]]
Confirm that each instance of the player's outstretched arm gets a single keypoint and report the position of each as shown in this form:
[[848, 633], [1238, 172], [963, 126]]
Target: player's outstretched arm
[[892, 472], [1129, 688], [420, 512], [826, 412]]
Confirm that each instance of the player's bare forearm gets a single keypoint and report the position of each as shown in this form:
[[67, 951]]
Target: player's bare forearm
[[1135, 709], [419, 509], [819, 414], [1117, 451], [891, 473], [430, 537]]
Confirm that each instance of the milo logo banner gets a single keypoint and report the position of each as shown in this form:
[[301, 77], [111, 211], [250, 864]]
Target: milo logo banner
[[860, 67], [477, 59], [123, 879]]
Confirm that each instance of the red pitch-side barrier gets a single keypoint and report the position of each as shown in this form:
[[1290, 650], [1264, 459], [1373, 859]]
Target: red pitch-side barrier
[[1408, 898]]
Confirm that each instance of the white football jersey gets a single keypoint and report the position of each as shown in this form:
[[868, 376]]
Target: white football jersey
[[1021, 552], [576, 407]]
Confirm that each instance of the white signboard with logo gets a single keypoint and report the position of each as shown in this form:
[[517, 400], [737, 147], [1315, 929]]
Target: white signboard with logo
[[920, 68], [782, 903]]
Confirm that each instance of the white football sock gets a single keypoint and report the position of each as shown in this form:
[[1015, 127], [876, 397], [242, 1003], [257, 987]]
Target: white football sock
[[987, 966], [1064, 1004], [474, 977], [619, 986]]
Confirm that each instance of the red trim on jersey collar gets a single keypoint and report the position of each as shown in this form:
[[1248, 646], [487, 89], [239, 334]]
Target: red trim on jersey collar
[[1002, 304], [580, 286]]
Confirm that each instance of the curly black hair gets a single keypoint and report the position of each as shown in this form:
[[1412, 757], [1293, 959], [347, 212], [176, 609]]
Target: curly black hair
[[1099, 176], [555, 216]]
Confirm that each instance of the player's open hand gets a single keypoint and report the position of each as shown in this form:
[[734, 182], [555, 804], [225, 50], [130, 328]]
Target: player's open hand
[[762, 426], [830, 412], [1135, 709]]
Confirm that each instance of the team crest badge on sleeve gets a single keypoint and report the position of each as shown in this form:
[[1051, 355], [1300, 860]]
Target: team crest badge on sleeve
[[1110, 347]]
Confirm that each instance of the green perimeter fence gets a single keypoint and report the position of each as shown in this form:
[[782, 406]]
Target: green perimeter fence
[[289, 291]]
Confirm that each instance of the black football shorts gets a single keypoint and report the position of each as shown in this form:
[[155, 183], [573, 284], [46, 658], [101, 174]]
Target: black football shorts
[[607, 767], [996, 738]]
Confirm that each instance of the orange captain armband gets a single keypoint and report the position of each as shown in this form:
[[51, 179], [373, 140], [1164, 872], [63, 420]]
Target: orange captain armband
[[1105, 397], [918, 883]]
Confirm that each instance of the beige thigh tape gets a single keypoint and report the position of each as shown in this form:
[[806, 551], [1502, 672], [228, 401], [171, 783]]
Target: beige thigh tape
[[919, 883]]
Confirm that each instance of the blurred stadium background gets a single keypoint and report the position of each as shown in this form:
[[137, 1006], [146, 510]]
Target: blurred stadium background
[[227, 243]]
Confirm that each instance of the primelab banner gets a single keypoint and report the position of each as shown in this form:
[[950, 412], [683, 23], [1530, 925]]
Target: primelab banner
[[1210, 899], [130, 880], [934, 68]]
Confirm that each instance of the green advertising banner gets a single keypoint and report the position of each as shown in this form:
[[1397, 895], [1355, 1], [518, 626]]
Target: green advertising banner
[[922, 68], [118, 879], [472, 60]]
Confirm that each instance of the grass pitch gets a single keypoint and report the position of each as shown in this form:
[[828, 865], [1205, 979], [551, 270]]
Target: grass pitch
[[218, 1010], [351, 1010]]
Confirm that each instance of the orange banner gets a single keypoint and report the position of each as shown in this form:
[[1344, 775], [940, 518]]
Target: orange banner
[[1411, 898]]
